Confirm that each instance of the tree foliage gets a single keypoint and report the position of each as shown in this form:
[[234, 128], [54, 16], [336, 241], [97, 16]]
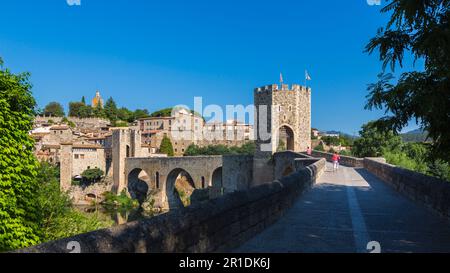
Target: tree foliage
[[18, 211], [92, 175], [422, 29], [374, 141], [166, 146], [111, 110], [80, 110], [56, 216], [413, 156], [54, 109], [246, 149], [167, 112], [32, 208]]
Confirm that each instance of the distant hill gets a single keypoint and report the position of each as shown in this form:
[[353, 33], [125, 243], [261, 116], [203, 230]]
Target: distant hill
[[418, 135], [341, 134]]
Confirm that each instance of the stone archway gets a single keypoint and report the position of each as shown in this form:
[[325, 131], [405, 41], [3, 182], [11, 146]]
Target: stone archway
[[138, 185], [216, 179], [285, 139], [179, 188]]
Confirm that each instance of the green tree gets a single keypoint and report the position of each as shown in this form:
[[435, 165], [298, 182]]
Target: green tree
[[192, 150], [329, 140], [99, 112], [166, 112], [246, 149], [83, 100], [57, 217], [166, 146], [420, 28], [80, 110], [93, 175], [319, 148], [19, 225], [374, 141], [124, 114], [140, 113], [111, 110], [54, 109], [120, 124]]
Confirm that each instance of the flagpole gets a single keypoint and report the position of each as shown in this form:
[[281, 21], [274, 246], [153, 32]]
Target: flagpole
[[306, 80]]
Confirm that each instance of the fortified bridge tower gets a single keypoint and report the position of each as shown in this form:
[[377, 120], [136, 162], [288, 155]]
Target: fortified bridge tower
[[282, 122]]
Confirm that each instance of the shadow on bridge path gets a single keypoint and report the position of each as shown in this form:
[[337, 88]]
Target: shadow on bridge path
[[347, 209]]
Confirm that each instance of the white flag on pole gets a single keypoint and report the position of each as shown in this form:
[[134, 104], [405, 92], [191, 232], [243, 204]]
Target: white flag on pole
[[307, 77]]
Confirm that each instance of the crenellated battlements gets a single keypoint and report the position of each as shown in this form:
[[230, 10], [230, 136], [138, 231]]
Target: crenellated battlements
[[282, 87]]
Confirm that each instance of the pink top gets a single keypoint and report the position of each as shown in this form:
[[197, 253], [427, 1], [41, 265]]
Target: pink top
[[336, 157]]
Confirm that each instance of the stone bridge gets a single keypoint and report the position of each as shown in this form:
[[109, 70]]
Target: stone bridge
[[308, 208], [158, 176]]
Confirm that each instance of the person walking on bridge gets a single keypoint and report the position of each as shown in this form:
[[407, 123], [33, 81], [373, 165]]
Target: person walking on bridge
[[336, 158]]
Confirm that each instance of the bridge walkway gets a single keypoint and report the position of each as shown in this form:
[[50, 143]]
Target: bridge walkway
[[347, 209]]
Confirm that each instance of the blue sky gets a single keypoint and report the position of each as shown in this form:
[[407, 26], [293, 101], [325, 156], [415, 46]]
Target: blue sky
[[155, 54]]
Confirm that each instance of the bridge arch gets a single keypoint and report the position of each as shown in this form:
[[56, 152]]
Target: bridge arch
[[163, 173], [139, 184], [286, 138], [216, 178], [179, 188]]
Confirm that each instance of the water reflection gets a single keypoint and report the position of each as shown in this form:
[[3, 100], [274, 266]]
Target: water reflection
[[118, 216]]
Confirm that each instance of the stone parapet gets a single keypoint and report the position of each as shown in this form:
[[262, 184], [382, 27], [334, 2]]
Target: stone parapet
[[345, 160], [432, 192]]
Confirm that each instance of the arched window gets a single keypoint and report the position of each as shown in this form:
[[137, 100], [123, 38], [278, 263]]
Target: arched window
[[203, 182]]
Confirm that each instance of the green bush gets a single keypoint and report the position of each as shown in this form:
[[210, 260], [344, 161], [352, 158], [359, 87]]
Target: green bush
[[373, 141], [120, 124], [319, 148], [166, 147], [400, 159], [92, 175], [19, 224], [121, 201], [57, 217], [346, 153], [246, 149]]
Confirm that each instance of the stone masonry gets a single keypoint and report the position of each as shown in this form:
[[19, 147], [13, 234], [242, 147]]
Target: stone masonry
[[288, 110]]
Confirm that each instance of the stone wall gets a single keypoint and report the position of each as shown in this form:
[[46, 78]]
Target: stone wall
[[429, 191], [87, 158], [214, 226], [285, 163], [237, 172], [85, 196], [345, 160], [82, 123]]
